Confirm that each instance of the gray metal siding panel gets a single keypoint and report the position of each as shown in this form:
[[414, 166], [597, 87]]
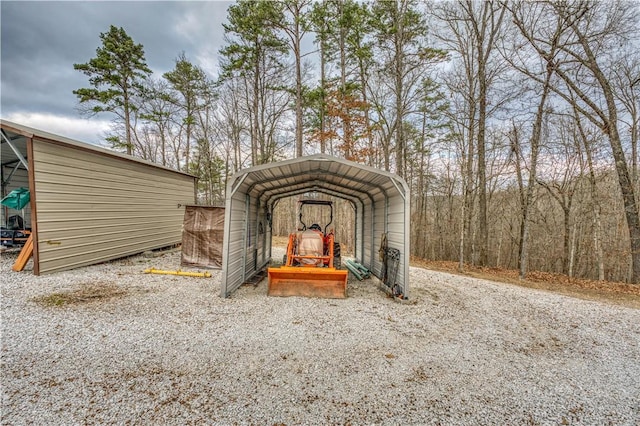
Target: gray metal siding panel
[[378, 229], [395, 223], [234, 243], [396, 233], [93, 208], [262, 236], [250, 242], [407, 243], [367, 238], [357, 229]]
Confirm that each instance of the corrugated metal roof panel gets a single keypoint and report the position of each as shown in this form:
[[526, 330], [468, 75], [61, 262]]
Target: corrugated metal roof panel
[[29, 132]]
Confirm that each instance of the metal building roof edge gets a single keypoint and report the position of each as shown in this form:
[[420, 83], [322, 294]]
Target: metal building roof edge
[[30, 132], [317, 157]]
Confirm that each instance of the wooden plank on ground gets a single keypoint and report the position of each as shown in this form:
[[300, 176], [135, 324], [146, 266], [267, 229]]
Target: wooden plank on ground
[[25, 254]]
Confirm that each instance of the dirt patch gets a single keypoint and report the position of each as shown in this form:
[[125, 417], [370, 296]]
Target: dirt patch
[[604, 291], [280, 240], [87, 293]]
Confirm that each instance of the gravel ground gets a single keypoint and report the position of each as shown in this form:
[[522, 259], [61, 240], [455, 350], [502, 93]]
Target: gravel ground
[[168, 350]]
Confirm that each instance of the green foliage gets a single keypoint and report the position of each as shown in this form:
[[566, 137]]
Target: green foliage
[[319, 21], [191, 91], [357, 19], [116, 142], [251, 35], [391, 18], [189, 81], [116, 72], [210, 170]]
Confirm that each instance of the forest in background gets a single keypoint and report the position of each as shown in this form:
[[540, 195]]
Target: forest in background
[[515, 123]]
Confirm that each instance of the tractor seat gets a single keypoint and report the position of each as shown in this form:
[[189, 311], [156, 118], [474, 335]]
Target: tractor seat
[[311, 244]]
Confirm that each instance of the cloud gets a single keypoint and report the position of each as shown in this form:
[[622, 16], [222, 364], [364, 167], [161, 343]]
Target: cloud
[[40, 42], [206, 36], [90, 131]]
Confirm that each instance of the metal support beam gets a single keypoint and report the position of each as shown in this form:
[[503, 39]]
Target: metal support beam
[[400, 190], [8, 179], [15, 151]]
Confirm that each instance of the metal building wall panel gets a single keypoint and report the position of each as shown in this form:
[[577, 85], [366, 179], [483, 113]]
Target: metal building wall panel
[[251, 237], [76, 170], [366, 232], [379, 217], [93, 207], [234, 243], [396, 232], [263, 236]]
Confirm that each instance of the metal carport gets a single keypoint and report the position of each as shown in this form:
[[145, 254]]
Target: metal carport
[[381, 201]]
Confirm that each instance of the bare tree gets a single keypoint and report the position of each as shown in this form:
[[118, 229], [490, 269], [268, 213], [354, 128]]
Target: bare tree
[[544, 74], [588, 140], [295, 25], [400, 31], [593, 32], [474, 28], [626, 80]]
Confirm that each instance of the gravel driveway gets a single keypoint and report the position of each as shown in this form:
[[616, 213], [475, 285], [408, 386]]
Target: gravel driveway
[[153, 349]]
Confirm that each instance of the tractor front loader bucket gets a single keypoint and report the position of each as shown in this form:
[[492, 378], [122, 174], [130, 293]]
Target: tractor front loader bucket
[[308, 282]]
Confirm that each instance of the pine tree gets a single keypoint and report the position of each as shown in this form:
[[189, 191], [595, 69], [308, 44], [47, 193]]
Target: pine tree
[[190, 88], [116, 74], [254, 53]]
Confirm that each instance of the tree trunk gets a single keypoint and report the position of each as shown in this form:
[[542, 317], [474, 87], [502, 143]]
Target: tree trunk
[[517, 152], [624, 179], [482, 167], [188, 146], [610, 128], [462, 239], [255, 113], [566, 256], [343, 83], [127, 126], [595, 205], [536, 137], [323, 88], [399, 62], [597, 242], [367, 122], [469, 187], [297, 52], [572, 251]]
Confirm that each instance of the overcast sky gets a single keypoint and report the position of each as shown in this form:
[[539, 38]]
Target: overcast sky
[[40, 42]]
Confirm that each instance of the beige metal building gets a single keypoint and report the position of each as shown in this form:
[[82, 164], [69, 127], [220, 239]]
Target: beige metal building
[[89, 204]]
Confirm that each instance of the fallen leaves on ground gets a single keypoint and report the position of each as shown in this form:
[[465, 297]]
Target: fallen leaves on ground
[[615, 292]]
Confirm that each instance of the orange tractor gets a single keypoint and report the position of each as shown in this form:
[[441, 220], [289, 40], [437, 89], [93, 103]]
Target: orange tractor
[[310, 267]]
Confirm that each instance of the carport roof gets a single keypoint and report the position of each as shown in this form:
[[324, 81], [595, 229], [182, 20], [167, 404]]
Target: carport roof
[[18, 133], [319, 172]]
